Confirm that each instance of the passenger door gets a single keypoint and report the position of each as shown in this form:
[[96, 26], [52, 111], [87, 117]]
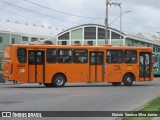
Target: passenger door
[[36, 66], [145, 68], [96, 66]]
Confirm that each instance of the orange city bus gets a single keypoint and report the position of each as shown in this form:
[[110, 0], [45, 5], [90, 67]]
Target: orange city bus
[[54, 65]]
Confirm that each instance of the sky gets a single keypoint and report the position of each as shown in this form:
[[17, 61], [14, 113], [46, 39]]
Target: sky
[[138, 16]]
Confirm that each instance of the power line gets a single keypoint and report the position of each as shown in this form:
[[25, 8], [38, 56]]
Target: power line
[[29, 19], [139, 20], [132, 17], [138, 25], [136, 16], [38, 12], [61, 11]]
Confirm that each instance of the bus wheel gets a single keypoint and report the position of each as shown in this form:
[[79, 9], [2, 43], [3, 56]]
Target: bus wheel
[[128, 80], [116, 83], [59, 80]]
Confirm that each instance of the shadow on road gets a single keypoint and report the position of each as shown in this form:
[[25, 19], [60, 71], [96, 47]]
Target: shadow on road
[[74, 86]]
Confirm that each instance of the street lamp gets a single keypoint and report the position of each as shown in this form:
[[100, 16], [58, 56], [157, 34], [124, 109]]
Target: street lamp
[[120, 16], [121, 22]]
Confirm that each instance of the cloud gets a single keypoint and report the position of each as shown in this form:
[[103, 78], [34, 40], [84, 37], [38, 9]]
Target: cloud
[[144, 13]]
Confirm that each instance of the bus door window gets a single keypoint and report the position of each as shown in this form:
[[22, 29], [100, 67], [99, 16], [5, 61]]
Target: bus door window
[[36, 57], [144, 65], [99, 58], [92, 59], [40, 58], [96, 58], [147, 64], [31, 57], [141, 62]]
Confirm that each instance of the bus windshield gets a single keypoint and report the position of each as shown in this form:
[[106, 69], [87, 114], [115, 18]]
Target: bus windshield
[[155, 61], [7, 52]]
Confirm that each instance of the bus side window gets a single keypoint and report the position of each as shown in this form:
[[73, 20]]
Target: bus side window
[[80, 56], [64, 55], [114, 56], [51, 56], [130, 56]]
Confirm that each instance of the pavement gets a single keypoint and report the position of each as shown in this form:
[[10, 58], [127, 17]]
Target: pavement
[[77, 97]]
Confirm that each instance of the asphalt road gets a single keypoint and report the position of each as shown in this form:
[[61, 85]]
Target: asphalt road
[[77, 97]]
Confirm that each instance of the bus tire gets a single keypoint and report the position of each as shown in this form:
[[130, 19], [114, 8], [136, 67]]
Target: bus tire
[[116, 83], [59, 80], [128, 79]]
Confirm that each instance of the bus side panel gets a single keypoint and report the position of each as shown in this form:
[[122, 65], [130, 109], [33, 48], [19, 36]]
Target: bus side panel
[[114, 73], [78, 73], [21, 74], [131, 68], [7, 70], [73, 72]]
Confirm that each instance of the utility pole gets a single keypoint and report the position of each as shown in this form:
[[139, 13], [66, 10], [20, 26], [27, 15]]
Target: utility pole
[[106, 24], [106, 21], [121, 42]]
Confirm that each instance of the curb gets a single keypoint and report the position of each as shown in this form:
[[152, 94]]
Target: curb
[[142, 106]]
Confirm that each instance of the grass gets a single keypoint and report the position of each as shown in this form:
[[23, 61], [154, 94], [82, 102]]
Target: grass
[[153, 105]]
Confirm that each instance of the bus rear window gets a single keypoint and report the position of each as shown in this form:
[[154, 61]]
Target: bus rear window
[[21, 55], [8, 52]]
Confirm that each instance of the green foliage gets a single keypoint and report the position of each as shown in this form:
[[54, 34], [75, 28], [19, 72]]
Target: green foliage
[[153, 105]]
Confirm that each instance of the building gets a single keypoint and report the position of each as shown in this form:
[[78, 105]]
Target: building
[[16, 33], [94, 34], [87, 34]]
